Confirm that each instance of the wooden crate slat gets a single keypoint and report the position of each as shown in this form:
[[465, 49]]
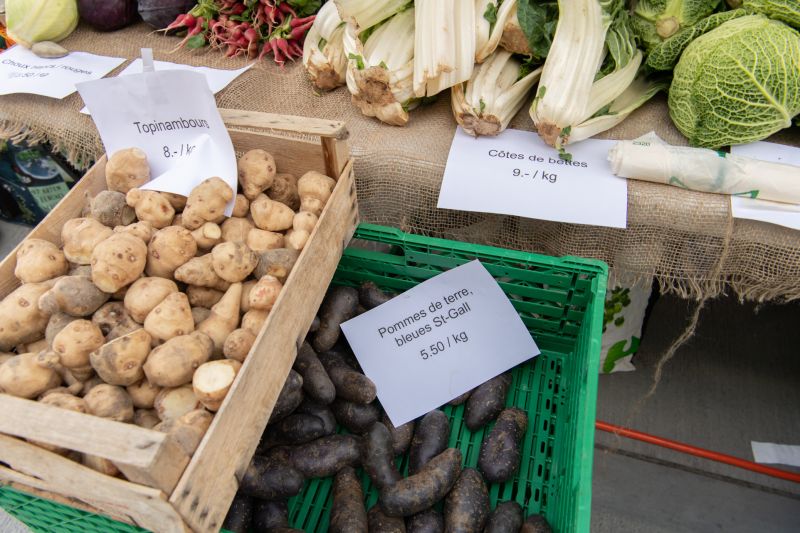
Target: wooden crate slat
[[309, 126], [46, 471], [206, 489], [143, 455]]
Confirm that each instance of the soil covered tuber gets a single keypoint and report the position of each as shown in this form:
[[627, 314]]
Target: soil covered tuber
[[240, 514], [127, 169], [173, 363], [289, 398], [146, 418], [212, 380], [536, 523], [237, 344], [500, 453], [171, 318], [350, 384], [39, 260], [169, 248], [381, 523], [118, 261], [401, 436], [338, 306], [370, 296], [143, 230], [430, 439], [256, 172], [80, 237], [270, 215], [145, 294], [199, 271], [74, 345], [316, 382], [224, 318], [347, 513], [378, 457], [253, 320], [284, 190], [188, 429], [110, 401], [429, 521], [267, 478], [241, 206], [423, 489], [207, 236], [277, 262], [206, 203], [260, 240], [327, 455], [265, 293], [507, 516], [24, 377], [110, 208], [120, 361], [233, 261], [75, 295], [466, 507], [314, 189], [269, 515], [143, 393], [175, 402], [114, 320], [236, 229], [203, 296], [151, 206], [486, 402], [21, 320], [355, 417]]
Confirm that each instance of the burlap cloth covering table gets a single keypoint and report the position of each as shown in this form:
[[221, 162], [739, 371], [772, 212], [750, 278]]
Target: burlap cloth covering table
[[687, 240]]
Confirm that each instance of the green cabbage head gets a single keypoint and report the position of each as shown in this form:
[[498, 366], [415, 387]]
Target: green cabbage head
[[738, 83]]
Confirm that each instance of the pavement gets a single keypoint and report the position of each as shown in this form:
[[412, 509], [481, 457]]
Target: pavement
[[734, 382]]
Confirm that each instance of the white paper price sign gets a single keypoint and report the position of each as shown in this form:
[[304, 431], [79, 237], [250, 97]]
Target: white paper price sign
[[173, 117], [438, 340], [515, 173], [22, 71]]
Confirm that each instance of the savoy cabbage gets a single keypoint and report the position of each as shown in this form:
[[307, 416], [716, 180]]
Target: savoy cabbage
[[737, 83]]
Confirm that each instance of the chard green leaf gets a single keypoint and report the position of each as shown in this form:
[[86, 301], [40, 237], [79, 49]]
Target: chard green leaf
[[491, 13], [358, 59], [538, 21]]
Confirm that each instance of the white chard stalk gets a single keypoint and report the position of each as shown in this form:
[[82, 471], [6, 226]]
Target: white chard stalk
[[444, 44], [380, 71], [495, 93], [367, 13], [572, 103], [323, 50], [569, 70], [488, 36]]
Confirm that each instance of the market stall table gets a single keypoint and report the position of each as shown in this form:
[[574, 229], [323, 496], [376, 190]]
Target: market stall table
[[688, 240]]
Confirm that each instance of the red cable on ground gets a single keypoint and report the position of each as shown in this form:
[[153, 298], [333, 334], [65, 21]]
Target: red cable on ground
[[698, 452]]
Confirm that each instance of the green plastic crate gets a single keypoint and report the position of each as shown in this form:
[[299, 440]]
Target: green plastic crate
[[561, 303], [560, 300]]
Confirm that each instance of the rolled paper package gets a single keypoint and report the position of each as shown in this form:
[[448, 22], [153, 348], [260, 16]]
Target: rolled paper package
[[651, 159]]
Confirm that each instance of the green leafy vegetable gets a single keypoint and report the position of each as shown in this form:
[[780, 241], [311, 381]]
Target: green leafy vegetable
[[196, 41], [656, 20], [787, 11], [665, 55], [358, 59], [491, 13], [738, 83], [304, 8], [538, 21]]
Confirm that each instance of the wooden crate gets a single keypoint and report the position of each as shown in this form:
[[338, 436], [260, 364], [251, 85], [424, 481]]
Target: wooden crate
[[167, 491]]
